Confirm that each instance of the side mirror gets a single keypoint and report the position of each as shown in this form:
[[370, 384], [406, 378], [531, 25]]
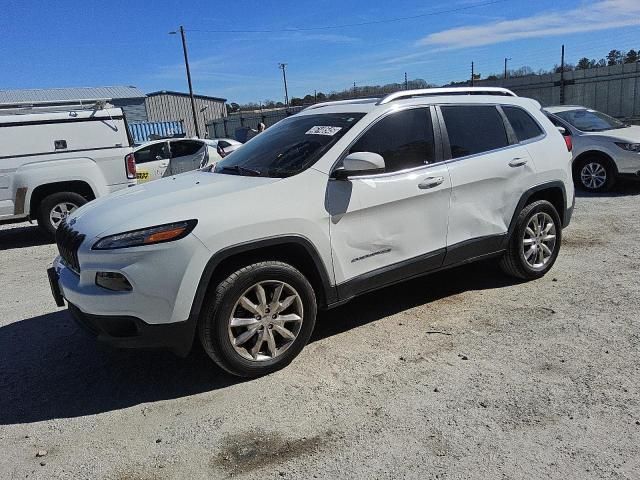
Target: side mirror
[[359, 163]]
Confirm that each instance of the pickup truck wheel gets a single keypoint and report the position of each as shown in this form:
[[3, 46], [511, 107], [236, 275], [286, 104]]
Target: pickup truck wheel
[[259, 319], [56, 207], [535, 242]]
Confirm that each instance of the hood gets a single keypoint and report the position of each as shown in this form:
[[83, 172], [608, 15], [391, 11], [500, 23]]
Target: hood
[[171, 199], [630, 134]]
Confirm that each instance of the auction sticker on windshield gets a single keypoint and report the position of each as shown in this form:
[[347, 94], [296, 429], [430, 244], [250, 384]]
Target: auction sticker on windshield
[[323, 130]]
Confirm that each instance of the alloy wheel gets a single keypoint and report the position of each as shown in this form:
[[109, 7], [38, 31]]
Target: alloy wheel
[[61, 211], [539, 240], [593, 175], [266, 320]]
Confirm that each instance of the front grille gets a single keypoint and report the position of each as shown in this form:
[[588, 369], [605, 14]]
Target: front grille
[[68, 242]]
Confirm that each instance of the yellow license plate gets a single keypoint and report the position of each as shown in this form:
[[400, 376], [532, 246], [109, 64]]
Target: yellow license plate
[[142, 176]]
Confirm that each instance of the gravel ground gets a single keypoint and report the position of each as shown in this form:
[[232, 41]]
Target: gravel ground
[[463, 374]]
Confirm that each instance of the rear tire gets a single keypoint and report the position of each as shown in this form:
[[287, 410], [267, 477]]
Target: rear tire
[[56, 207], [535, 243], [594, 174], [249, 328]]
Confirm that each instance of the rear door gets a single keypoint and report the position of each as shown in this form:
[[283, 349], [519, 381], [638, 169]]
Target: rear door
[[391, 225], [152, 161], [187, 155], [489, 171]]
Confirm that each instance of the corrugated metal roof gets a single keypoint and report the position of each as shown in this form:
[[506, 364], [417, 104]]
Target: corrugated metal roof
[[68, 94], [181, 94]]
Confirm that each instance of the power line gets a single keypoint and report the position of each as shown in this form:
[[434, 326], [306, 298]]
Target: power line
[[361, 24]]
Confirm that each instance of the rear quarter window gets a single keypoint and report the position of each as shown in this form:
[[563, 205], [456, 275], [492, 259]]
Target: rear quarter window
[[474, 129], [522, 123]]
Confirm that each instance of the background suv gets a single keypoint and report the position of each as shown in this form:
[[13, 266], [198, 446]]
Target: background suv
[[603, 147], [340, 199]]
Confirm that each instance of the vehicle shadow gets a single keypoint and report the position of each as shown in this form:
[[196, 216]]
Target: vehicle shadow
[[23, 237], [50, 369], [624, 187]]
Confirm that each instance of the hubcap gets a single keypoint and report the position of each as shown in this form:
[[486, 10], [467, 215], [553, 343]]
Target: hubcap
[[539, 240], [60, 212], [265, 320], [593, 175]]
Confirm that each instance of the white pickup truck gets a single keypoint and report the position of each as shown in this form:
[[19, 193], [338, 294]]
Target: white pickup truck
[[54, 160]]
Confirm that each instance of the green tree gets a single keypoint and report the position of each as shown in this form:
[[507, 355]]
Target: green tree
[[233, 107], [631, 56], [583, 64], [614, 57], [295, 102]]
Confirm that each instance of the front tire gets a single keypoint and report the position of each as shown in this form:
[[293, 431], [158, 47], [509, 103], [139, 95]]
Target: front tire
[[259, 319], [594, 174], [535, 243], [56, 207]]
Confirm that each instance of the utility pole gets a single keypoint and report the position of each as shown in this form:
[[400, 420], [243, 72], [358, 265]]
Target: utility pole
[[283, 67], [562, 77], [186, 64], [472, 74], [506, 72], [315, 96], [406, 82], [354, 89]]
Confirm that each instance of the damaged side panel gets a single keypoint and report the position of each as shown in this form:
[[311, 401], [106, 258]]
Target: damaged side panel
[[386, 219]]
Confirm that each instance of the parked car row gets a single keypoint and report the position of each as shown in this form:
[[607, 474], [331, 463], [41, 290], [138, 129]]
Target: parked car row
[[163, 158]]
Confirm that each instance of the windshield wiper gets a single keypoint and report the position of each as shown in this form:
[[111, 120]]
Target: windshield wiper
[[239, 169]]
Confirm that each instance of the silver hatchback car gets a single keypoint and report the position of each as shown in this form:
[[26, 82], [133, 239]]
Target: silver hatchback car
[[603, 148]]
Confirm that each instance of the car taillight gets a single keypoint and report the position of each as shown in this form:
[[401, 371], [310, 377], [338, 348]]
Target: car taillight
[[130, 166], [569, 142]]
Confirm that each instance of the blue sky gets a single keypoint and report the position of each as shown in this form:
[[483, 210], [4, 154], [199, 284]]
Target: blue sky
[[116, 42]]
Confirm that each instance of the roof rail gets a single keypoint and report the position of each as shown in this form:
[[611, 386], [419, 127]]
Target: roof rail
[[430, 92], [88, 104], [342, 102]]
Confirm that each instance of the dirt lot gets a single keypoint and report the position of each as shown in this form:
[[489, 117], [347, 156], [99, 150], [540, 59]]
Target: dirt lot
[[464, 374]]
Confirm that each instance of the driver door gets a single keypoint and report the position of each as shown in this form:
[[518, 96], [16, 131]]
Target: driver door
[[392, 225]]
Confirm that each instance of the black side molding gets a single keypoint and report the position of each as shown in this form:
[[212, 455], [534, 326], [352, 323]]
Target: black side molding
[[390, 274]]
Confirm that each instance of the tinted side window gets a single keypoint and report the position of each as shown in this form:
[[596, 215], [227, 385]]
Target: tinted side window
[[223, 144], [157, 151], [404, 139], [522, 123], [474, 129], [184, 148], [558, 123]]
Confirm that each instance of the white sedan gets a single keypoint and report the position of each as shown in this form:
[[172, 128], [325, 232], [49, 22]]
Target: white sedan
[[163, 158], [604, 148]]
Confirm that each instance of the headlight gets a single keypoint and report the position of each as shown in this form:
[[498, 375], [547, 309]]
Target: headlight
[[146, 236], [632, 147]]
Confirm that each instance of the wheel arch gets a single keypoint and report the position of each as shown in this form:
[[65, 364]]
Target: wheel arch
[[554, 192], [598, 154], [295, 250], [42, 191]]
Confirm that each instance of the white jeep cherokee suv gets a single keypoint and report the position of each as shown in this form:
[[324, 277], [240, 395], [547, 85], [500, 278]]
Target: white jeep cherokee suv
[[340, 199]]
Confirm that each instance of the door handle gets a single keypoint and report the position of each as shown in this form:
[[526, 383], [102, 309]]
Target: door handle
[[430, 182], [518, 162]]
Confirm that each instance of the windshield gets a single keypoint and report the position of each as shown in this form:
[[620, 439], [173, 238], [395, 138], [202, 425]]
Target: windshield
[[590, 120], [290, 146]]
